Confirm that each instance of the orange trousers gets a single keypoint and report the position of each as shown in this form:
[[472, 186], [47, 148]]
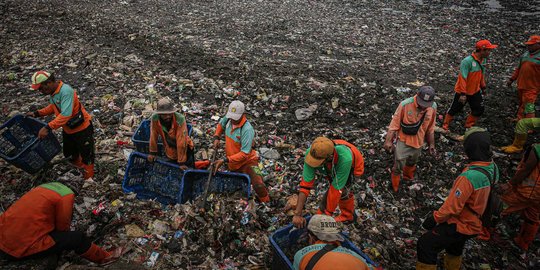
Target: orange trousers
[[527, 100], [528, 208]]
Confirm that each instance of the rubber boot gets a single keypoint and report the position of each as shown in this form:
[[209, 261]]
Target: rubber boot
[[88, 171], [447, 120], [396, 178], [471, 120], [347, 210], [423, 266], [202, 164], [408, 172], [452, 262], [526, 235], [96, 254], [77, 162], [517, 145]]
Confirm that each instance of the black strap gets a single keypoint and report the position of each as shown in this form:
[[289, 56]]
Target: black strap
[[319, 255], [487, 174]]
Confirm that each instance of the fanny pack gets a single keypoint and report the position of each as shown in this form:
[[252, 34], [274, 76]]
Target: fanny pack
[[412, 129], [76, 120]]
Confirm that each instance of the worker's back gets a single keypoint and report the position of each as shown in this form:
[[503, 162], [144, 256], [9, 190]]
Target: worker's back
[[24, 227], [340, 258]]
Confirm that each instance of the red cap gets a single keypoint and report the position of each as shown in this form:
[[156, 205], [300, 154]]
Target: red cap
[[533, 40], [485, 44]]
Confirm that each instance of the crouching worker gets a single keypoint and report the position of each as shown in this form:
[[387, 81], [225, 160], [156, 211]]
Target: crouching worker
[[171, 126], [458, 219], [70, 115], [341, 163], [522, 195], [240, 155], [38, 225], [325, 250]]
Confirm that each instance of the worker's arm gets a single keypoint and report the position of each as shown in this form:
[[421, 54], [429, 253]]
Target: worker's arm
[[525, 170], [430, 134], [182, 142], [64, 211], [306, 185], [154, 134], [464, 69], [454, 203], [393, 128], [45, 111]]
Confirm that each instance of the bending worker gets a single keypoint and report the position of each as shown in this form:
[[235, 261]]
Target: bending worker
[[458, 219], [522, 195], [325, 250], [240, 155], [70, 115], [412, 124], [527, 75], [171, 126], [341, 163], [38, 225]]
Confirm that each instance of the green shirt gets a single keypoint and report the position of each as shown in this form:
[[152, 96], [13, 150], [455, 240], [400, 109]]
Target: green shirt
[[339, 172]]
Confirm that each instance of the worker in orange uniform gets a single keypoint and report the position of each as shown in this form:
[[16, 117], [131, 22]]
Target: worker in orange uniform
[[38, 225], [458, 219], [341, 163], [325, 250], [522, 195], [171, 126], [239, 140], [412, 123], [527, 75], [70, 115], [471, 79]]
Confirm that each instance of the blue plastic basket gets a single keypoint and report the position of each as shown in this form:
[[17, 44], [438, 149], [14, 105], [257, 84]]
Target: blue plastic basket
[[284, 238], [158, 180], [20, 146], [141, 138], [223, 182]]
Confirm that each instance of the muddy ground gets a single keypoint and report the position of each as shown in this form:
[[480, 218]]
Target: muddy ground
[[280, 56]]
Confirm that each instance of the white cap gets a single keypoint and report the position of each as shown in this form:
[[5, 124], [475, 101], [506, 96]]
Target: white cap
[[236, 110]]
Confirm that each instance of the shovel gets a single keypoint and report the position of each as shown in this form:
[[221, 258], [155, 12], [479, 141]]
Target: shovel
[[202, 199]]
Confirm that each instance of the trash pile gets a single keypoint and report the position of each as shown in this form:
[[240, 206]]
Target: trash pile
[[337, 68]]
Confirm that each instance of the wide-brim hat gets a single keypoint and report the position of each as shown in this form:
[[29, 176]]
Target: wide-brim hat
[[165, 106]]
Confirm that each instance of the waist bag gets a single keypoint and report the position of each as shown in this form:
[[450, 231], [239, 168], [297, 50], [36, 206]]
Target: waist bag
[[412, 129]]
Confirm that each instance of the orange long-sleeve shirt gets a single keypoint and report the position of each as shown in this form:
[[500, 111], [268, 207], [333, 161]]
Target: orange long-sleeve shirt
[[64, 104], [527, 73], [25, 226], [471, 76], [409, 113], [467, 199], [176, 140]]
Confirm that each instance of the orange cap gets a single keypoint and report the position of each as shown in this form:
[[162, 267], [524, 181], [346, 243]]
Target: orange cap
[[321, 148], [485, 44], [533, 40]]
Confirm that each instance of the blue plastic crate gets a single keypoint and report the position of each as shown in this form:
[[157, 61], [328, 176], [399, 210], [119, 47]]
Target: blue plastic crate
[[284, 238], [223, 182], [158, 180], [20, 146], [141, 138]]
